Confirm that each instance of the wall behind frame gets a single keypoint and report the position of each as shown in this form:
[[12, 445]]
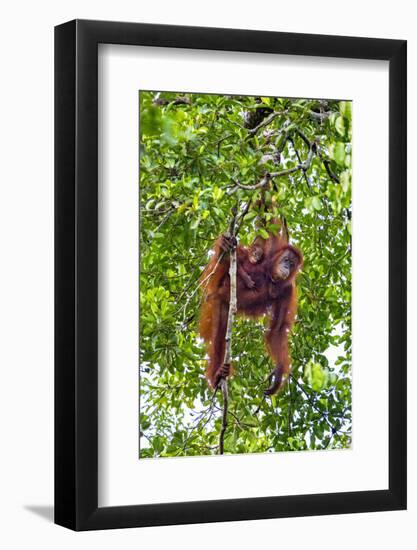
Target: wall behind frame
[[26, 218]]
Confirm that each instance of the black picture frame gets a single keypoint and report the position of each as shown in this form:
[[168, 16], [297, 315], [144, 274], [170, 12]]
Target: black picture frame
[[76, 272]]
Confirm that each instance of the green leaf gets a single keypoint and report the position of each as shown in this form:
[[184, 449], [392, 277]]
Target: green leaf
[[273, 228], [339, 153], [345, 180], [340, 125], [346, 109], [195, 223], [316, 203]]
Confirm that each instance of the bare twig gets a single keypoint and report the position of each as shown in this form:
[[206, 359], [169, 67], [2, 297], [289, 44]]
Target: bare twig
[[202, 284], [290, 412], [303, 166], [200, 418], [221, 141], [320, 116], [234, 228], [303, 137], [239, 185], [266, 121], [261, 184], [225, 393], [300, 162], [329, 171], [228, 338], [164, 220], [260, 405], [239, 222]]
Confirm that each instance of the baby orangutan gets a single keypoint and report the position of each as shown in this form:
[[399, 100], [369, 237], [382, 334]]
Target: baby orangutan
[[247, 259]]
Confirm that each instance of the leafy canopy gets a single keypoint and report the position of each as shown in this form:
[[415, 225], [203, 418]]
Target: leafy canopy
[[193, 150]]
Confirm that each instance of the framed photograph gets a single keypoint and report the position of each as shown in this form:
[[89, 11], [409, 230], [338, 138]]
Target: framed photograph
[[230, 252]]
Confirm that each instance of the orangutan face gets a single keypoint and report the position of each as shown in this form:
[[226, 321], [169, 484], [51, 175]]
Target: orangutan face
[[255, 254], [285, 265]]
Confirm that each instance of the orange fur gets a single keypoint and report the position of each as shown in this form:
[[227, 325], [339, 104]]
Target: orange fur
[[275, 298]]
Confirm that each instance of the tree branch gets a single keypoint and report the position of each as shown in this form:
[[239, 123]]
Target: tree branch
[[329, 171], [266, 121], [304, 166], [234, 228], [225, 393], [228, 338], [300, 162]]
